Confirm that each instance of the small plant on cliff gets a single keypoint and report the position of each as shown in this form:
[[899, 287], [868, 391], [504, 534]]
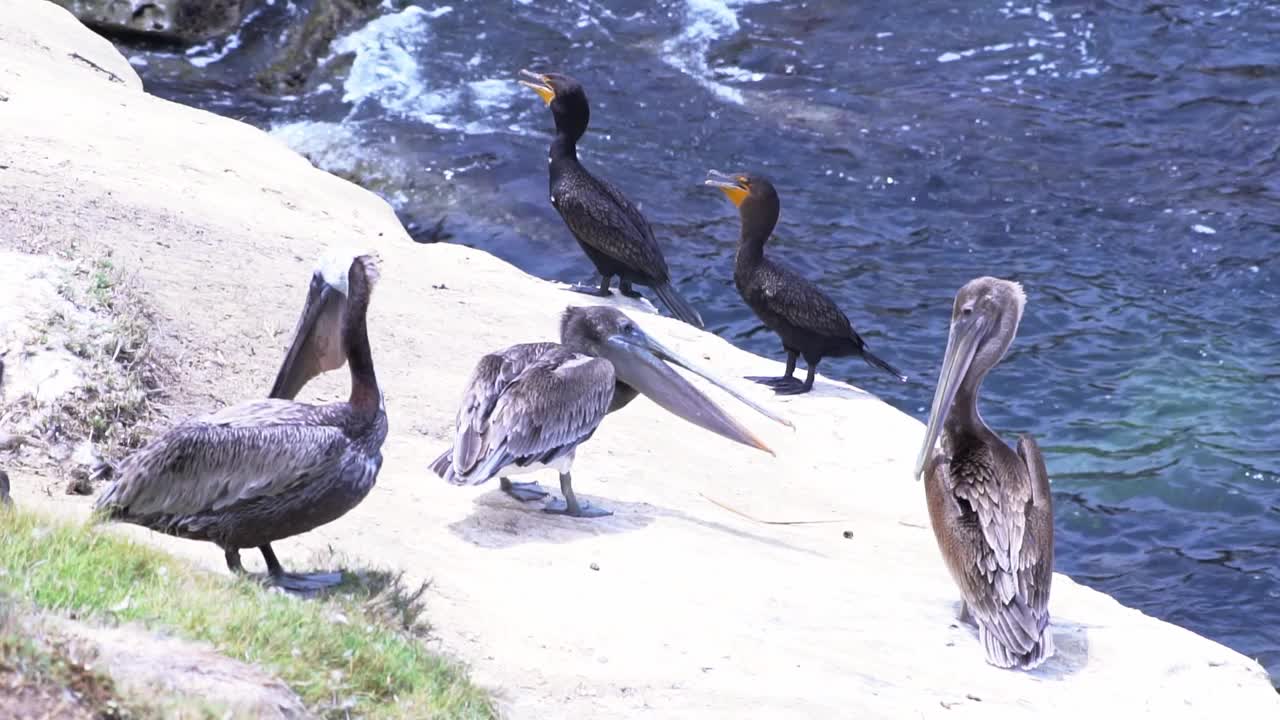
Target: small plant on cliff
[[105, 325]]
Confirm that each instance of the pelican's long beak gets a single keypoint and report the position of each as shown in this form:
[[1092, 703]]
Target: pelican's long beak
[[317, 340], [539, 85], [638, 361], [732, 185], [967, 332]]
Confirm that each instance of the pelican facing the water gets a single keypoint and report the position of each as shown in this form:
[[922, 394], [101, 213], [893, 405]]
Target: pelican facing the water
[[266, 470], [990, 507], [530, 406]]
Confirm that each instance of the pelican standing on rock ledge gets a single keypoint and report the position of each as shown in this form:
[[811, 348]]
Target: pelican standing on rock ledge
[[808, 322], [530, 406], [611, 230], [263, 471], [990, 507]]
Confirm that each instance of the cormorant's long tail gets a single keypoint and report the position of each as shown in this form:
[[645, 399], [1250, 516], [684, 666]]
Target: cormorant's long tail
[[874, 361], [678, 305]]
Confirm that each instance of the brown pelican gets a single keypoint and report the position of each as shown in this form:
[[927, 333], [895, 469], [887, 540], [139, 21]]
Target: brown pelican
[[262, 471], [807, 321], [990, 507], [530, 406]]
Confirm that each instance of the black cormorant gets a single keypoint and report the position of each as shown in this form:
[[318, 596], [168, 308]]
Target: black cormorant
[[808, 321], [609, 228]]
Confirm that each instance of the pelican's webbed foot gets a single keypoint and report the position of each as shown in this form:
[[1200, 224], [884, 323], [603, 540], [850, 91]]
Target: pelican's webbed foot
[[523, 491], [291, 582], [305, 584], [570, 505]]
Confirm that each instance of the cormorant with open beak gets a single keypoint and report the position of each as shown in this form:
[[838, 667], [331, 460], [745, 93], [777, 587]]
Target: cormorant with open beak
[[266, 470], [530, 406], [610, 229], [990, 506], [805, 318]]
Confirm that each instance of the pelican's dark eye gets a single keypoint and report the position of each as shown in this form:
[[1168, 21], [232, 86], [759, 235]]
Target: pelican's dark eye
[[967, 310]]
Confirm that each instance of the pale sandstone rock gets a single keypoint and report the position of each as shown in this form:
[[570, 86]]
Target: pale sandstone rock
[[174, 674], [694, 611]]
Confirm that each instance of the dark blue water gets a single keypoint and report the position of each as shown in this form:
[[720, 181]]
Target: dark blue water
[[1118, 158]]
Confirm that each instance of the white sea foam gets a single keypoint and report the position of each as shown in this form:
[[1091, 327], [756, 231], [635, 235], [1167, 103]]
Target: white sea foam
[[492, 93], [705, 22], [212, 51], [385, 69]]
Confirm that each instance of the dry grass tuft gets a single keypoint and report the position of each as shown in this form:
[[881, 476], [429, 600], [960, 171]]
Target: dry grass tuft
[[105, 325]]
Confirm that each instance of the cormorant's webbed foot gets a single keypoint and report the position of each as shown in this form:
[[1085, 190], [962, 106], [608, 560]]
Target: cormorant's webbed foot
[[598, 287], [795, 387], [774, 382], [571, 506], [625, 288], [523, 491]]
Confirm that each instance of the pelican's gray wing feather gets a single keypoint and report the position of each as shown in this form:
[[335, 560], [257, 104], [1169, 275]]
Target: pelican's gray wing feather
[[252, 450], [528, 406], [1003, 555], [1036, 557], [491, 377]]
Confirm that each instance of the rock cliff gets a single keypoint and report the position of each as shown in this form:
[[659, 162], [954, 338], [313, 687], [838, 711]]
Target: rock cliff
[[675, 606]]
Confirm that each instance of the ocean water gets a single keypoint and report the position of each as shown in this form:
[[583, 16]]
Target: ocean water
[[1120, 159]]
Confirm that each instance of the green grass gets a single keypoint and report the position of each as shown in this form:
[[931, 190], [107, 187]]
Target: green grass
[[344, 655]]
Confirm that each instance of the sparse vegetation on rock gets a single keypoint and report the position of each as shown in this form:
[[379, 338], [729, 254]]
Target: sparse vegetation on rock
[[80, 371]]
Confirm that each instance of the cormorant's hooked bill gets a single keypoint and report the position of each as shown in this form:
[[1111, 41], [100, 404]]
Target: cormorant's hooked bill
[[540, 84], [737, 187]]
